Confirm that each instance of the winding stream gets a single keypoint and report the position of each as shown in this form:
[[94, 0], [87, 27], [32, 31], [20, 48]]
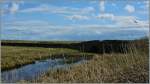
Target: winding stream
[[33, 71]]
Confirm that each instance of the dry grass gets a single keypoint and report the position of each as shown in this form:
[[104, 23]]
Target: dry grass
[[107, 68]]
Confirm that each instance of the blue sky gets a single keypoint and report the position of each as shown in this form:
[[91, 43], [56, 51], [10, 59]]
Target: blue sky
[[74, 19]]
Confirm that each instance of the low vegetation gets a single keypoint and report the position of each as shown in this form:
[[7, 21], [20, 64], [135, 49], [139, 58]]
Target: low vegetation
[[114, 67], [106, 68], [12, 57]]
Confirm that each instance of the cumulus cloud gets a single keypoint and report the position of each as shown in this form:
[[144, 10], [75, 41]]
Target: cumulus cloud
[[14, 8], [129, 8], [102, 14], [119, 22], [124, 21]]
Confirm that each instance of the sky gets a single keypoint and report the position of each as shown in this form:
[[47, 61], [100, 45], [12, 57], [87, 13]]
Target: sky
[[74, 19]]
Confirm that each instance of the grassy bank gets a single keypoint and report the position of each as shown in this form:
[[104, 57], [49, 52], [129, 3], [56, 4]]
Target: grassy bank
[[12, 57], [105, 68]]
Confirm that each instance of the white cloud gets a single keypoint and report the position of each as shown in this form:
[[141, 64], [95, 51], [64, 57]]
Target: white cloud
[[129, 8], [54, 30], [59, 10], [106, 16], [39, 27], [77, 17], [41, 8], [102, 5], [130, 22], [14, 8], [123, 21]]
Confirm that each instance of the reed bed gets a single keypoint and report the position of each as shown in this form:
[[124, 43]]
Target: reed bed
[[130, 67]]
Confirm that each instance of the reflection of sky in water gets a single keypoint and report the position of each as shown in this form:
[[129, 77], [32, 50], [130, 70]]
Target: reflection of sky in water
[[32, 71]]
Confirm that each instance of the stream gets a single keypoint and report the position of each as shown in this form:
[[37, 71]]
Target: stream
[[33, 71]]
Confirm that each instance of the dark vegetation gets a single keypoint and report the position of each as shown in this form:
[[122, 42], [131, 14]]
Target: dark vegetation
[[95, 46]]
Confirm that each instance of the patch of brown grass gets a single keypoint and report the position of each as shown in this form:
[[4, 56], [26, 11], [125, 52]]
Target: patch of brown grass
[[107, 68]]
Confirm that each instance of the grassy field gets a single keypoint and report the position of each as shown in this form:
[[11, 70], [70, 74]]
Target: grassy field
[[107, 68], [126, 67], [12, 57]]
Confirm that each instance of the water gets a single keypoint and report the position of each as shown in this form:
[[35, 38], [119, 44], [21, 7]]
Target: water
[[32, 71]]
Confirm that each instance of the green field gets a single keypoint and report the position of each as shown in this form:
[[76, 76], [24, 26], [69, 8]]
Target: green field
[[17, 56]]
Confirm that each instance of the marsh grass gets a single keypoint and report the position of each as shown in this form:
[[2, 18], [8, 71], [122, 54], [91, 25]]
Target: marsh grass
[[130, 67]]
